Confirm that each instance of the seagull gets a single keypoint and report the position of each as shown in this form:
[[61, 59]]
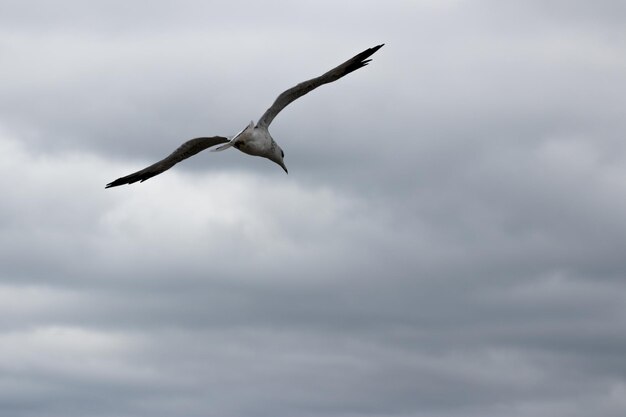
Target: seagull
[[253, 139]]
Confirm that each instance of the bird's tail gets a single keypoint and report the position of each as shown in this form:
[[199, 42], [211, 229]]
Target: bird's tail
[[223, 147], [234, 138]]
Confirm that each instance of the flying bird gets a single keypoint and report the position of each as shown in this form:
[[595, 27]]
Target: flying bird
[[253, 139]]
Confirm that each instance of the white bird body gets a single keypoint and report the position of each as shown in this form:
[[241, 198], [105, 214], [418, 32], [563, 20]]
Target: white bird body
[[253, 139], [256, 141]]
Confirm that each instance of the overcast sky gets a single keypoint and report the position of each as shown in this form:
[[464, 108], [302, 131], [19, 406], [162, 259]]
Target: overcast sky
[[450, 240]]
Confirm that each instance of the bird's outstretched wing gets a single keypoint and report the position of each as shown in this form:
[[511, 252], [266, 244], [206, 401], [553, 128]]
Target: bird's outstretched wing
[[304, 87], [184, 151]]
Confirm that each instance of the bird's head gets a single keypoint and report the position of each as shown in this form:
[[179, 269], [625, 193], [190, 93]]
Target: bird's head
[[277, 156]]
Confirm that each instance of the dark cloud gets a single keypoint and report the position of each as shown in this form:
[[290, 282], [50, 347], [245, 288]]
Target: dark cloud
[[448, 241]]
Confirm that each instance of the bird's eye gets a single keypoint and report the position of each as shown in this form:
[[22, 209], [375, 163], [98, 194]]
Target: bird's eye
[[282, 154]]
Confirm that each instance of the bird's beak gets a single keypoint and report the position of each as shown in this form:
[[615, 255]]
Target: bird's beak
[[283, 167]]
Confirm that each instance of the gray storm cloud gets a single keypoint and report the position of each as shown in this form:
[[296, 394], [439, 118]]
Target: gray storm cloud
[[449, 240]]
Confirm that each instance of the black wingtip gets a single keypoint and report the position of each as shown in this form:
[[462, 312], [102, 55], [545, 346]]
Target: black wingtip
[[373, 49], [130, 179], [361, 60], [370, 51], [115, 183], [358, 61]]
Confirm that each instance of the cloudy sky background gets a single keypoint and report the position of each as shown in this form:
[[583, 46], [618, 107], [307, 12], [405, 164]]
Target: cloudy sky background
[[450, 240]]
